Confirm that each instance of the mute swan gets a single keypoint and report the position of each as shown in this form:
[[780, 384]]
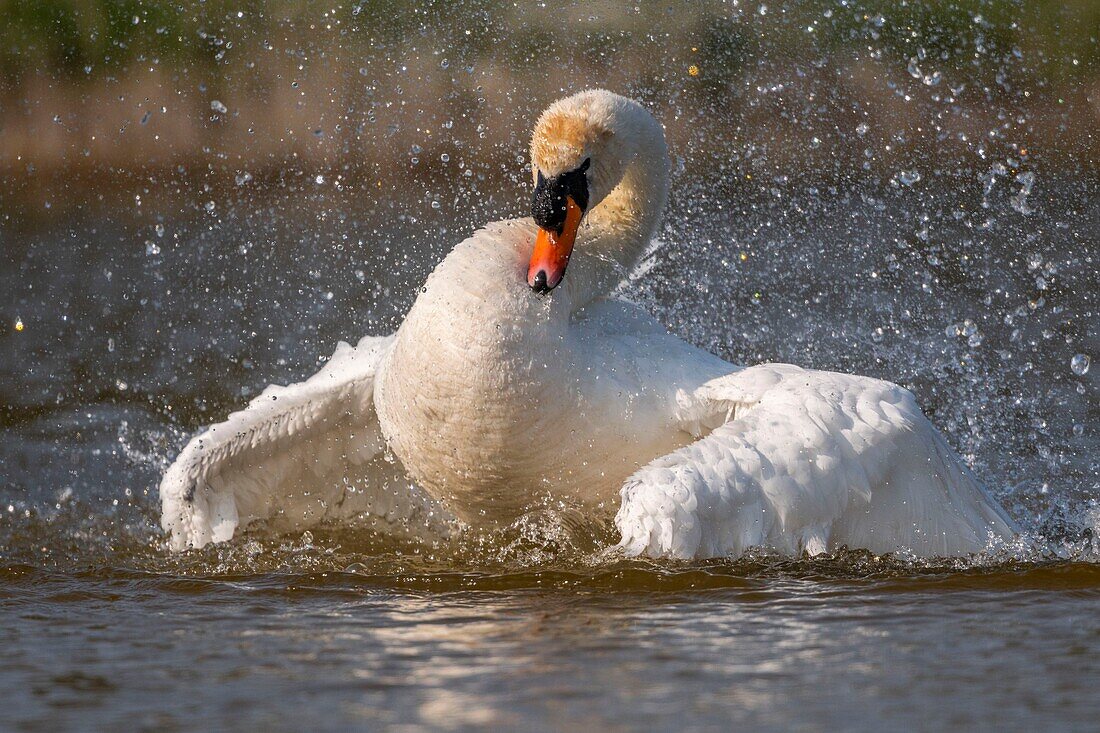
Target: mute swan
[[510, 381]]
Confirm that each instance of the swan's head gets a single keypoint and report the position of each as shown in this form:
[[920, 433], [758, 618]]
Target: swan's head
[[581, 148]]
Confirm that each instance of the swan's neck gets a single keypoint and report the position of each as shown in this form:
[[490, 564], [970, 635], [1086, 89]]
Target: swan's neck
[[617, 232]]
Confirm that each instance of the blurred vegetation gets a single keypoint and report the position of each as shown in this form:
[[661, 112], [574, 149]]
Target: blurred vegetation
[[64, 37], [825, 88]]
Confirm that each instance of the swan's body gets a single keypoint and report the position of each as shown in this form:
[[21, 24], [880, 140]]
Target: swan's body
[[493, 396], [488, 388]]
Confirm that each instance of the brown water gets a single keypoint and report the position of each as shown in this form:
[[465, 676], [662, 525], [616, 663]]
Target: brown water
[[756, 644]]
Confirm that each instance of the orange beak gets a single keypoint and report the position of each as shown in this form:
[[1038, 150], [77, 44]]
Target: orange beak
[[552, 250]]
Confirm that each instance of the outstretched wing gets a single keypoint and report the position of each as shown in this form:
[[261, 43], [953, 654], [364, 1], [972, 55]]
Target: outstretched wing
[[803, 461], [296, 455]]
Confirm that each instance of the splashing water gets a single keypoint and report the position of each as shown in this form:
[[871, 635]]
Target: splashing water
[[905, 271], [908, 194]]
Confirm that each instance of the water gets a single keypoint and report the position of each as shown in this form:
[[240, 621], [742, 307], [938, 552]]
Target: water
[[906, 192], [124, 351], [765, 646]]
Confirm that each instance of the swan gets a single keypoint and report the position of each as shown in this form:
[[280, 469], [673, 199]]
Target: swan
[[517, 377]]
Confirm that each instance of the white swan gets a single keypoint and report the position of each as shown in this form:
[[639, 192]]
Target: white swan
[[510, 381]]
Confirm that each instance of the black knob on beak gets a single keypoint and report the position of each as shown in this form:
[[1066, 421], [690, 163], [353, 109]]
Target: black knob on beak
[[548, 204]]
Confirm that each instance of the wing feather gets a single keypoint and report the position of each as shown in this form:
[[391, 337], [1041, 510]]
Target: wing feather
[[811, 461], [296, 455]]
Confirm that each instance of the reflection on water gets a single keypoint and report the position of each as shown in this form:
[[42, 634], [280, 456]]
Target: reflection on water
[[789, 646]]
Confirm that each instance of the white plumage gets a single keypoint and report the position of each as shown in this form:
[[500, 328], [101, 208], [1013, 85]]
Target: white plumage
[[493, 397], [809, 461], [297, 455]]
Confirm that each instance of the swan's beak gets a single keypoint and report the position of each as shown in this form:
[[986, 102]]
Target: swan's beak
[[552, 250]]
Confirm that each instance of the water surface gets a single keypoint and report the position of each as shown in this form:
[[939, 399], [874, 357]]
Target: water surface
[[124, 352], [907, 191]]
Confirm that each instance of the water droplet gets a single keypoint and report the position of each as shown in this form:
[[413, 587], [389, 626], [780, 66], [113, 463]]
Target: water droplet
[[861, 128], [159, 229], [908, 178], [1019, 201], [445, 158], [243, 178], [217, 106], [210, 206], [319, 179], [151, 248], [1080, 364]]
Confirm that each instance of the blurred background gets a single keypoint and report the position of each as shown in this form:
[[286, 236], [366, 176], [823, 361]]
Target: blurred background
[[117, 97]]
